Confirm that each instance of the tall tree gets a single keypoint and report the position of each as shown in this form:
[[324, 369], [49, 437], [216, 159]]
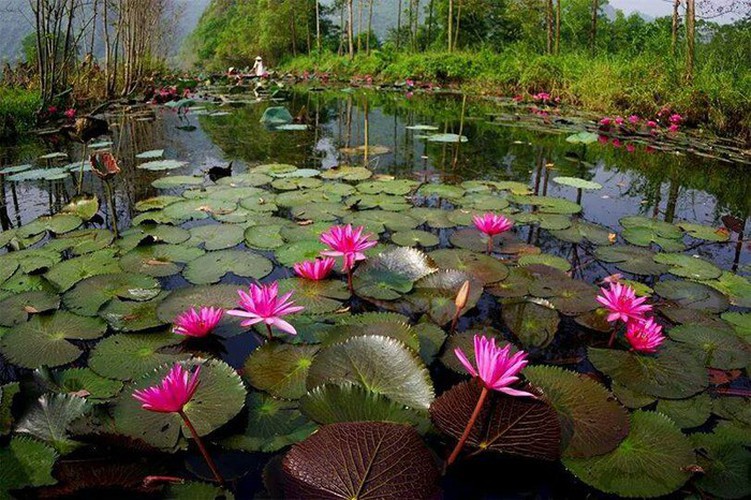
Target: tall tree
[[450, 26], [674, 28], [549, 24], [690, 39], [593, 29]]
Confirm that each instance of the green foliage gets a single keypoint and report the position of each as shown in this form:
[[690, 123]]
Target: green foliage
[[17, 110]]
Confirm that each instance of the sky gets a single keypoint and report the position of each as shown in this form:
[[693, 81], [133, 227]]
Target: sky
[[655, 8]]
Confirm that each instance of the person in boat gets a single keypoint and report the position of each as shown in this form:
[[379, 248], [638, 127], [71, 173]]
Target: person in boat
[[259, 69]]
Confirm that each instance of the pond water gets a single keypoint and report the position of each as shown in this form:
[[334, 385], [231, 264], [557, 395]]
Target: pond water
[[662, 185]]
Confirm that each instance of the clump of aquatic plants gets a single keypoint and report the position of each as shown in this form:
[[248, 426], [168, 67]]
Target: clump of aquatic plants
[[337, 382]]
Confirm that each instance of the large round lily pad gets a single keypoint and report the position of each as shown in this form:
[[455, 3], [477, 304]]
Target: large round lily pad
[[158, 260], [88, 296], [210, 267], [128, 356], [534, 325], [26, 463], [392, 273], [436, 294], [577, 183], [692, 295], [133, 316], [687, 266], [317, 297], [642, 231], [652, 461], [592, 421], [722, 349], [67, 273], [631, 259], [216, 236], [280, 369], [18, 307], [222, 296], [487, 269], [581, 231], [687, 413]]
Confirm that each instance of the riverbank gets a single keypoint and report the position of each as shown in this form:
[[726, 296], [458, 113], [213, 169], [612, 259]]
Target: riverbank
[[719, 99]]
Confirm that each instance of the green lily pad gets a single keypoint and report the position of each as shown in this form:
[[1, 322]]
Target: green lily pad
[[156, 202], [687, 266], [687, 413], [629, 398], [67, 273], [394, 329], [158, 260], [248, 179], [89, 295], [436, 293], [414, 238], [18, 307], [57, 224], [392, 186], [722, 349], [487, 269], [347, 173], [472, 239], [382, 201], [444, 191], [131, 316], [376, 220], [581, 231], [577, 183], [151, 154], [516, 284], [128, 356], [272, 425], [674, 372], [392, 273], [161, 165], [280, 369], [15, 169], [182, 299], [265, 237], [351, 402], [212, 266], [453, 138], [289, 184], [423, 128], [631, 259], [726, 465], [219, 397], [299, 251], [741, 322], [82, 241], [592, 422], [484, 202], [26, 463], [198, 209], [152, 233], [8, 393], [630, 469], [736, 288], [317, 297], [545, 260], [304, 197], [433, 217], [83, 207], [692, 295], [533, 324], [552, 222], [174, 181], [379, 364], [77, 380], [705, 233], [216, 236], [33, 260], [44, 340], [40, 174], [642, 231], [50, 418], [548, 204], [583, 137]]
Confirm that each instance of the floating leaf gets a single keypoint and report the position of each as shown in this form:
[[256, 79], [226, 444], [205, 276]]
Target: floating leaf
[[577, 183], [216, 236], [219, 397], [8, 393], [380, 364], [726, 464], [642, 231], [436, 294], [736, 288], [151, 154], [177, 181], [486, 268], [131, 316], [674, 372], [161, 165], [533, 324], [158, 260], [49, 420], [395, 329], [252, 179], [686, 413], [631, 399], [265, 237], [445, 191], [17, 308], [515, 425], [630, 469], [686, 266], [392, 273], [722, 349], [392, 186], [40, 174], [82, 241], [581, 231], [57, 224], [210, 267], [361, 460], [705, 233], [741, 323], [272, 425], [347, 173], [376, 220], [128, 356], [692, 295], [545, 260], [548, 204], [83, 207], [75, 380], [15, 169], [592, 422], [26, 462], [317, 297], [631, 259], [516, 284], [583, 137], [414, 238], [280, 369], [299, 251], [67, 273], [180, 300], [89, 295], [447, 138], [43, 340]]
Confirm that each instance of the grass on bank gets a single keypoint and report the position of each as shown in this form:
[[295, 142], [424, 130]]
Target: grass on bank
[[17, 109], [719, 98]]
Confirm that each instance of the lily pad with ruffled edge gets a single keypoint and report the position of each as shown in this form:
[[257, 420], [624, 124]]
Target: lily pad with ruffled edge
[[161, 165], [272, 425], [319, 212], [264, 237], [351, 402], [392, 273], [33, 260], [592, 421], [150, 154], [485, 268], [674, 372], [89, 295], [44, 340], [391, 186], [687, 413], [17, 308], [692, 295], [545, 260], [219, 397], [126, 356], [547, 204], [577, 183], [379, 364], [415, 238], [686, 266], [534, 325], [7, 269], [22, 283], [520, 426], [175, 181], [216, 236], [401, 331], [581, 231], [736, 288], [82, 380], [130, 316], [643, 231], [382, 201], [198, 209], [158, 260], [317, 297], [376, 221], [722, 349], [631, 259], [26, 463], [442, 191], [347, 173], [629, 398], [67, 273], [433, 217], [212, 266], [56, 224], [726, 464], [630, 469], [331, 460], [435, 294], [280, 369], [50, 417], [705, 233]]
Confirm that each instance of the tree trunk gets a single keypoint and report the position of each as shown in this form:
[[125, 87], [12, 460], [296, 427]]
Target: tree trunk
[[360, 4], [458, 24], [558, 13], [450, 25], [430, 25], [690, 39], [318, 26], [676, 23], [593, 30], [398, 25], [549, 22], [350, 31], [370, 25]]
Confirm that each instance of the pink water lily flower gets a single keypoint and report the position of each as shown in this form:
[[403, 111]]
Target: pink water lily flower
[[674, 128], [348, 243], [619, 120], [606, 122], [496, 368], [644, 336], [315, 270], [651, 124], [676, 119], [198, 323], [263, 305], [634, 119], [623, 304], [172, 393], [70, 113], [492, 224]]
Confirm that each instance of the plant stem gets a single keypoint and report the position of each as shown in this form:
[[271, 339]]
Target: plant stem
[[455, 321], [203, 449], [490, 245], [468, 429], [79, 184], [612, 338], [268, 332], [349, 282]]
